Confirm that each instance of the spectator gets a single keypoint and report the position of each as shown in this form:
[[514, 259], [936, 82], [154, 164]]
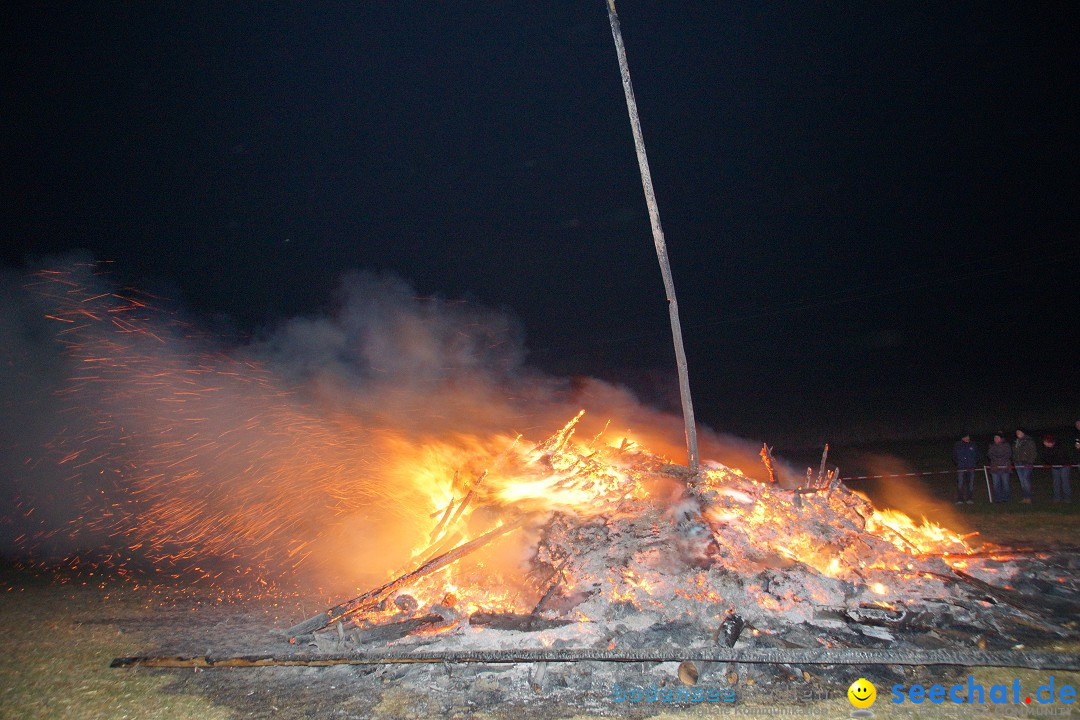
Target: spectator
[[1076, 445], [1000, 454], [1058, 459], [1025, 455], [966, 456]]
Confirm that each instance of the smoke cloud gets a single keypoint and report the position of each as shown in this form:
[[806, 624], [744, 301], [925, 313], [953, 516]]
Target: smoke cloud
[[134, 438]]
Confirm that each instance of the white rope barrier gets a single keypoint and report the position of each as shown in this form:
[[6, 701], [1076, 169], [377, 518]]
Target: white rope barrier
[[984, 468]]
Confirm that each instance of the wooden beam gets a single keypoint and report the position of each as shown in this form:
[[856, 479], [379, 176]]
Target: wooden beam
[[658, 241], [768, 656]]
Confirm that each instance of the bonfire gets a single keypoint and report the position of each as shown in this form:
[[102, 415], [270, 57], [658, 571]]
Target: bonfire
[[598, 543]]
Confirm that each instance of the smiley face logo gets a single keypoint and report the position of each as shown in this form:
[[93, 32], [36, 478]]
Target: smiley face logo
[[862, 693]]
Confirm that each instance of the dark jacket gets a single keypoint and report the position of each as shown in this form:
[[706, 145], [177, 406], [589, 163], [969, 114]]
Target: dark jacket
[[1055, 455], [1025, 452], [1000, 454], [965, 454]]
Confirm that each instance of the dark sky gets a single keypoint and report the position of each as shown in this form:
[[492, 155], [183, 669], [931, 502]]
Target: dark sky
[[871, 209]]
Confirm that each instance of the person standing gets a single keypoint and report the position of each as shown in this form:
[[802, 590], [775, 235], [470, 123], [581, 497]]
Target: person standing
[[1000, 454], [966, 456], [1059, 461], [1076, 446], [1025, 455]]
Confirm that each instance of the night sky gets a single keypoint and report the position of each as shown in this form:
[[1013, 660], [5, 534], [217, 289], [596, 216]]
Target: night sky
[[871, 210]]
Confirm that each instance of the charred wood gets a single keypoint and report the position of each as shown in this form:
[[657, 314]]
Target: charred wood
[[769, 656], [388, 632], [821, 470], [688, 672], [406, 603], [730, 630], [727, 635], [1043, 604], [873, 615], [514, 621], [552, 585], [537, 677]]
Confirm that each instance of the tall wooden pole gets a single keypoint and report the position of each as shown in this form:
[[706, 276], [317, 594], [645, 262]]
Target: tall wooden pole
[[658, 240]]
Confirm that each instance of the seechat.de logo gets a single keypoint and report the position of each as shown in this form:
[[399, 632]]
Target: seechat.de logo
[[862, 695]]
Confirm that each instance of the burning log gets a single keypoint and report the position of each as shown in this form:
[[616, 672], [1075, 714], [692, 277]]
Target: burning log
[[558, 442], [442, 537], [834, 481], [440, 547], [373, 597], [1002, 553]]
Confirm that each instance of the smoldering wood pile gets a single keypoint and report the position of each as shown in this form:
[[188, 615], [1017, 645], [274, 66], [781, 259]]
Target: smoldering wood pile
[[730, 562]]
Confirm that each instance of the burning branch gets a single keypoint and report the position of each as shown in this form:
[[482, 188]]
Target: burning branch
[[465, 501], [373, 597], [767, 458], [447, 523]]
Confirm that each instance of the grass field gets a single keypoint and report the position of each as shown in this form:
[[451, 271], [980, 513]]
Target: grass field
[[57, 648]]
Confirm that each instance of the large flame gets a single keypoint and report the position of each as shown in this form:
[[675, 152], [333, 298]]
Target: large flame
[[607, 480]]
